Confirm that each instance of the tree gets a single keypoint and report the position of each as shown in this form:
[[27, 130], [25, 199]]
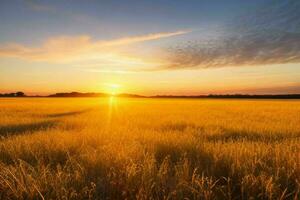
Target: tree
[[20, 94]]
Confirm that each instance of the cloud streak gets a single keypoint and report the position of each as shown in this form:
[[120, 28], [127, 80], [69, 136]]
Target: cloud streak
[[270, 35], [131, 40], [68, 49], [37, 6], [109, 71]]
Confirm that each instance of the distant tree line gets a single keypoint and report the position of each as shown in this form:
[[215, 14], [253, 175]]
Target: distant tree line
[[236, 96], [77, 94], [263, 96], [224, 96], [91, 94], [14, 94]]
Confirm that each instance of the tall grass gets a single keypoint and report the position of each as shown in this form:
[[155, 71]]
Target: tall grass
[[113, 148]]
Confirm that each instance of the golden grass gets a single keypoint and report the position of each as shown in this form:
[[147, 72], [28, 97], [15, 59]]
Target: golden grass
[[113, 148]]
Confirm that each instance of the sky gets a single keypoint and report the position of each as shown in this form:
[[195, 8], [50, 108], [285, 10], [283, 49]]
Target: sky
[[158, 47]]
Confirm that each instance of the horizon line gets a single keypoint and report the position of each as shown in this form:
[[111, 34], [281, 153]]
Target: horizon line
[[132, 95]]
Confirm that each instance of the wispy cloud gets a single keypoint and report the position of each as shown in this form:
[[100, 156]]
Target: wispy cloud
[[68, 48], [268, 35], [130, 40], [109, 71], [38, 6]]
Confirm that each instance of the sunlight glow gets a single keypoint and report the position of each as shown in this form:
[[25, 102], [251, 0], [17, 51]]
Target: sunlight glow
[[112, 88], [112, 108]]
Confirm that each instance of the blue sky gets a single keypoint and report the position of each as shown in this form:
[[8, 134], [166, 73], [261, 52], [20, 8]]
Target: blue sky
[[32, 20], [150, 47]]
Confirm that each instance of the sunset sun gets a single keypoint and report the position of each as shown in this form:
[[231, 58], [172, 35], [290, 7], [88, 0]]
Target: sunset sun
[[113, 88]]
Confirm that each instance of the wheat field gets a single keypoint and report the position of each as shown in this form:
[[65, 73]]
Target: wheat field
[[135, 148]]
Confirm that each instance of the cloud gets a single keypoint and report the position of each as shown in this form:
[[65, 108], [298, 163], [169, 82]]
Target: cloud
[[109, 71], [38, 6], [269, 35], [68, 48], [130, 40]]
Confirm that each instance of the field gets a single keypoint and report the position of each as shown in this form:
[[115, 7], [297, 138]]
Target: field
[[118, 148]]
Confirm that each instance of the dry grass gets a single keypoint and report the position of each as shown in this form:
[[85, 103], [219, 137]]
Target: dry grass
[[93, 148]]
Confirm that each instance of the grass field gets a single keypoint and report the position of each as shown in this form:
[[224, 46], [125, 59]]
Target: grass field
[[114, 148]]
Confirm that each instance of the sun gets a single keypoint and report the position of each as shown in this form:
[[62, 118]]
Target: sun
[[113, 88]]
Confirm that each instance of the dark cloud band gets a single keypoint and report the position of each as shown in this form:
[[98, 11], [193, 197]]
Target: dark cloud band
[[270, 35]]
